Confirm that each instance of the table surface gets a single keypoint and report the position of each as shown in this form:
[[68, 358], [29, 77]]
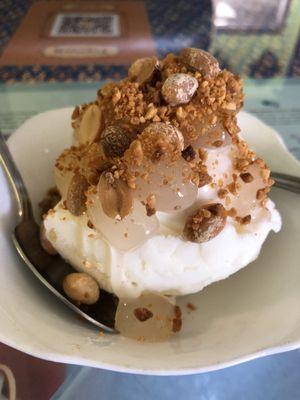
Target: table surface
[[268, 57], [275, 377]]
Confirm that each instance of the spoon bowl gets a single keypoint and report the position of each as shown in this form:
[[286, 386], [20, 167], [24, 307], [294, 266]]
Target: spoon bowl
[[50, 270]]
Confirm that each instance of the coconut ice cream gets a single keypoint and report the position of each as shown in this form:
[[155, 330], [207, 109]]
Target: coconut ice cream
[[159, 193]]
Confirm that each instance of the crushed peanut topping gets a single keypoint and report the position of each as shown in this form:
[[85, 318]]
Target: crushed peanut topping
[[150, 205], [222, 193], [155, 117], [244, 220]]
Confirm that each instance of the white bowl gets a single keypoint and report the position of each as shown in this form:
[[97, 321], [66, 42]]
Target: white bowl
[[251, 314]]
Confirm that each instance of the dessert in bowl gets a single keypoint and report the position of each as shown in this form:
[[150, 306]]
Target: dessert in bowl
[[160, 196]]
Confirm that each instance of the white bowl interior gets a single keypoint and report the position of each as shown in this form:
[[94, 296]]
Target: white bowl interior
[[252, 313]]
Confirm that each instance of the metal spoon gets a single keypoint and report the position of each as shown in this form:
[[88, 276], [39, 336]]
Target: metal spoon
[[50, 270], [287, 182]]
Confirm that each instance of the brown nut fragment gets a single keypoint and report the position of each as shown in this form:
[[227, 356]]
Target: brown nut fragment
[[160, 140], [143, 69], [107, 89], [222, 193], [188, 153], [150, 205], [205, 224], [90, 125], [179, 89], [201, 61], [229, 107], [81, 287], [115, 140], [45, 242], [247, 177], [201, 178], [142, 314], [115, 196], [261, 194], [76, 197], [134, 155], [177, 320], [244, 220]]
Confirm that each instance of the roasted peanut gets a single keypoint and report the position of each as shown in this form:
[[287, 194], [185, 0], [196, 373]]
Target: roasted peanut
[[115, 140], [115, 196], [143, 69], [160, 140], [81, 288], [206, 223], [90, 125], [201, 61], [179, 89]]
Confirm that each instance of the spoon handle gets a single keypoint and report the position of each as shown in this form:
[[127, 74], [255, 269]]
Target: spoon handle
[[287, 182], [16, 181]]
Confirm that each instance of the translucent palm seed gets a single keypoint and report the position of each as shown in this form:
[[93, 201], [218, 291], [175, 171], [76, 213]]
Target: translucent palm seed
[[214, 137], [241, 192], [135, 229], [147, 318], [220, 168], [246, 199], [171, 186]]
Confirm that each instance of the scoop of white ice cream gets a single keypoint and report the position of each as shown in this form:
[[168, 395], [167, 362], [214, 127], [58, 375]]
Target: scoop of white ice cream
[[165, 263]]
